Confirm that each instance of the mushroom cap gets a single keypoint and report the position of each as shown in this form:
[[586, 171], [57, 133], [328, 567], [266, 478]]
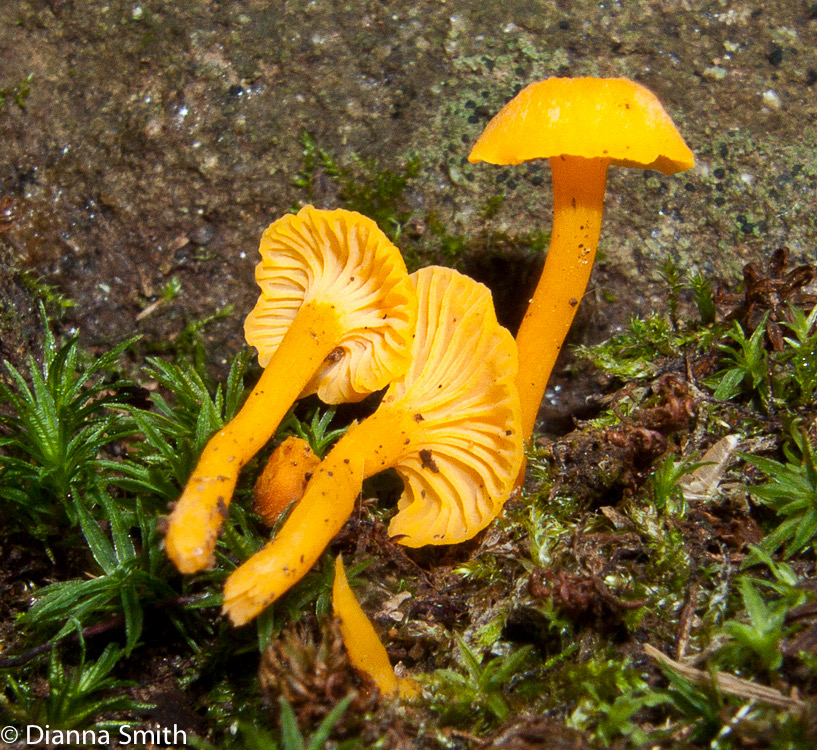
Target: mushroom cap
[[341, 258], [283, 480], [612, 118], [461, 463]]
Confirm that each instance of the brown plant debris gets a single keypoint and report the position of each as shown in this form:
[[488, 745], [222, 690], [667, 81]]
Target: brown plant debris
[[313, 678], [727, 683], [770, 292]]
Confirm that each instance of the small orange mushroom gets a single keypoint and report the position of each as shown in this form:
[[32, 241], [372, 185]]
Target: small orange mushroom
[[366, 652], [284, 478], [449, 427], [583, 125], [335, 317]]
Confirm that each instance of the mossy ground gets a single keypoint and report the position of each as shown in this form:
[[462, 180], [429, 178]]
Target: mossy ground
[[624, 538]]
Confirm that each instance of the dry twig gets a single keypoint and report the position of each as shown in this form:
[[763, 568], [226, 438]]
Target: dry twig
[[727, 683]]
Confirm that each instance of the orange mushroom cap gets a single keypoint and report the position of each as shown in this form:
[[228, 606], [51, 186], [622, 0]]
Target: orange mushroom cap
[[611, 118], [283, 480], [459, 466], [343, 259]]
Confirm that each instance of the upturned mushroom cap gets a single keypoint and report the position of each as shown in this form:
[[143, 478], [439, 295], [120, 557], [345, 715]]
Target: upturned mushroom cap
[[612, 118], [340, 258], [450, 427], [461, 462], [336, 315]]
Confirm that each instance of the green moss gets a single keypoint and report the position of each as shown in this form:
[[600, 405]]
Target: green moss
[[361, 184], [56, 303], [18, 92], [638, 352]]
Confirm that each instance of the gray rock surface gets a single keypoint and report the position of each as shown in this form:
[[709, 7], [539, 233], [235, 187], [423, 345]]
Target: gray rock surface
[[147, 141]]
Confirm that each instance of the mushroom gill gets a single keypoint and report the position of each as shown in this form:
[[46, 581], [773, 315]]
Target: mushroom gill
[[450, 427], [335, 316]]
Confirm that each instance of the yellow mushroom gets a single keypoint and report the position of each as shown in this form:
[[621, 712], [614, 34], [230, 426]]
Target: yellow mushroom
[[284, 478], [335, 317], [450, 427], [583, 125], [366, 652]]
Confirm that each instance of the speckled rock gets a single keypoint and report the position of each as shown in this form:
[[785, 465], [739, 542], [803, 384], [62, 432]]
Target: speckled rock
[[150, 126]]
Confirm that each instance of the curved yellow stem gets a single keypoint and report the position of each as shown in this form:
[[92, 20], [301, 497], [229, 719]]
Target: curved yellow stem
[[322, 511], [366, 448], [195, 521], [366, 652], [578, 204]]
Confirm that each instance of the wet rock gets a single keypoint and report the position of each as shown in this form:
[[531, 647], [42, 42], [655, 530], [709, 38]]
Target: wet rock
[[201, 236]]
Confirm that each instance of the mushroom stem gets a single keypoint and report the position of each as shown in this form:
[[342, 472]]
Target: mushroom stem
[[195, 521], [366, 653], [319, 515], [578, 204]]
